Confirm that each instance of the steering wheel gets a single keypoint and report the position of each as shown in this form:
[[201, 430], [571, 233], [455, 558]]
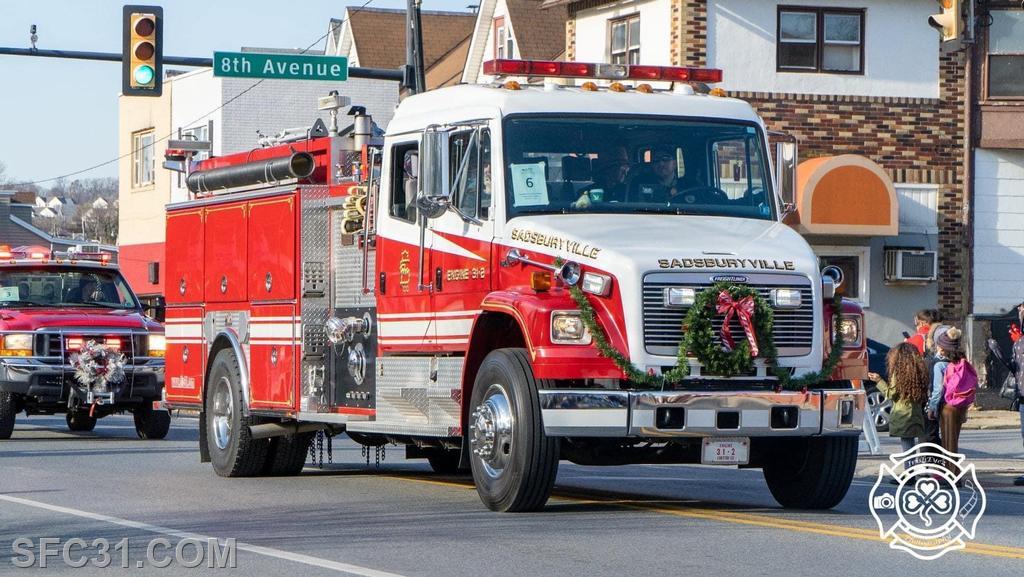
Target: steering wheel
[[700, 195]]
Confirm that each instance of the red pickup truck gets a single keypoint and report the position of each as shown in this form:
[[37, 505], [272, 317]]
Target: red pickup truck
[[74, 339]]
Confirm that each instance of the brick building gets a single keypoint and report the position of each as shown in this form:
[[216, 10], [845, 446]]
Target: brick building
[[846, 77]]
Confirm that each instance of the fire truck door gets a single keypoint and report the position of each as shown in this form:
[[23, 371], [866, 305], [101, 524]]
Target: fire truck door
[[461, 242], [403, 300]]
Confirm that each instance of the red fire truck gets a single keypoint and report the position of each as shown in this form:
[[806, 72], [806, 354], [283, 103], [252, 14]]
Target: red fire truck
[[418, 289], [74, 339]]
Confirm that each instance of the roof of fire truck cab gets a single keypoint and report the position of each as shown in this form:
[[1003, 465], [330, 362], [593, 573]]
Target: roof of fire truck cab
[[478, 101]]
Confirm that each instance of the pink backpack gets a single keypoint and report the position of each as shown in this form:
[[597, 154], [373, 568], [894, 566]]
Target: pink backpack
[[960, 383]]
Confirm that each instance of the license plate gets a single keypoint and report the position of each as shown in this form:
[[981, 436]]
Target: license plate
[[726, 451]]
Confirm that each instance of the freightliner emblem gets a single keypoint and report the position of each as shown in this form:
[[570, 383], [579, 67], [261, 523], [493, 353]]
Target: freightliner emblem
[[728, 278]]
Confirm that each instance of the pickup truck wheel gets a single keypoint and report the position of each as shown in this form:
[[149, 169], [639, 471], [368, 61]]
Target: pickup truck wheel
[[150, 424], [514, 463], [8, 411], [811, 473], [233, 451], [287, 455], [80, 421]]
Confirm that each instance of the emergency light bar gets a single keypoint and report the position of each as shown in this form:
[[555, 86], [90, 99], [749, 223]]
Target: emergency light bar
[[553, 69]]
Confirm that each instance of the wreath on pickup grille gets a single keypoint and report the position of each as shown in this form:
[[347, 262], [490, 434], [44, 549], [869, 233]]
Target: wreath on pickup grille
[[97, 367], [728, 357]]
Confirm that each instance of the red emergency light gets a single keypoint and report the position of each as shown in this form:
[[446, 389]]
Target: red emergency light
[[553, 69]]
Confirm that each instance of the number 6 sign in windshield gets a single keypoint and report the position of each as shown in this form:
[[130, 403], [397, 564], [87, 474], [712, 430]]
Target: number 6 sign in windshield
[[529, 187]]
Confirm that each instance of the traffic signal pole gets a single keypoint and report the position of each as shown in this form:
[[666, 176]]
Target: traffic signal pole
[[353, 72]]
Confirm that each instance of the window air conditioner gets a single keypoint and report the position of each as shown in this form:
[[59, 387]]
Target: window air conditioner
[[911, 265]]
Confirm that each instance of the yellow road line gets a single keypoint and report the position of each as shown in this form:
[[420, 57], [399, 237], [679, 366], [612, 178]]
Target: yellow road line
[[678, 510]]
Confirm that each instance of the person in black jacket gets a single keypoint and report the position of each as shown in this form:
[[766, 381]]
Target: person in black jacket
[[1017, 365]]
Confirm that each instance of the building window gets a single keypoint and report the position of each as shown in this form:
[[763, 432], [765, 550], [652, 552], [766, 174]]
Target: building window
[[855, 264], [199, 134], [1006, 54], [820, 40], [625, 40], [503, 44], [142, 158]]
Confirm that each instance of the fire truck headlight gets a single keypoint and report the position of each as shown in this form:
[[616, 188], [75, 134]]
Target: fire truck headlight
[[567, 328], [676, 297], [157, 345], [17, 345], [596, 284], [850, 328], [786, 298]]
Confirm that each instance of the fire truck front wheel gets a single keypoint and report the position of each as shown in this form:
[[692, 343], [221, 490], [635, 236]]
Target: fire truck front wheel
[[811, 473], [233, 451], [514, 463], [8, 411]]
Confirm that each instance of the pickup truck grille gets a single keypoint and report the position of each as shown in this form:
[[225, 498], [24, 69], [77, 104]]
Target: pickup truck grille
[[663, 326], [54, 345]]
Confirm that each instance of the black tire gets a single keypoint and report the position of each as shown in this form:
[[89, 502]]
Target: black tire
[[527, 458], [80, 421], [811, 473], [8, 412], [287, 455], [445, 461], [233, 453], [150, 424]]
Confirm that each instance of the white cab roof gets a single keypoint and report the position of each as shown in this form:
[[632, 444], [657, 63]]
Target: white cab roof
[[472, 101]]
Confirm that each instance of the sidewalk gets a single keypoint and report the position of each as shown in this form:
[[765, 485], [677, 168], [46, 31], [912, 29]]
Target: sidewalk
[[992, 420]]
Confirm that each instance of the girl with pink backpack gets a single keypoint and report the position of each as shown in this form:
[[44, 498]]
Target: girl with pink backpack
[[955, 382]]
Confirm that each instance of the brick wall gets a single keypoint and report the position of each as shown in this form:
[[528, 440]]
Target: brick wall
[[689, 32], [916, 140]]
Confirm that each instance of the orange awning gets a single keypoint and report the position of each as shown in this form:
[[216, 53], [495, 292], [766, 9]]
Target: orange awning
[[845, 195]]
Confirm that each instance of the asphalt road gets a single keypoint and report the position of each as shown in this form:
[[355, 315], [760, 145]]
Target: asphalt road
[[401, 519]]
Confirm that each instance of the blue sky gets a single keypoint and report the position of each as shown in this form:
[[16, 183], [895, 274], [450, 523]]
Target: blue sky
[[59, 116]]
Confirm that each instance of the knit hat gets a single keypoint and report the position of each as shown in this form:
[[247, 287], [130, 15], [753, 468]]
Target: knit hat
[[949, 340]]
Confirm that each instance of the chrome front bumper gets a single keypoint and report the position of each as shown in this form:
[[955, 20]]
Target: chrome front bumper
[[603, 413], [20, 375]]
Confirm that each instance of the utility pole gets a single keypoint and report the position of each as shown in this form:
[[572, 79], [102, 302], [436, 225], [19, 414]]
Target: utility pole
[[414, 45]]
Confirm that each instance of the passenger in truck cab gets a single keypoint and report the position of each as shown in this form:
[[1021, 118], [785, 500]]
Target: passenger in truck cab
[[611, 167], [90, 290]]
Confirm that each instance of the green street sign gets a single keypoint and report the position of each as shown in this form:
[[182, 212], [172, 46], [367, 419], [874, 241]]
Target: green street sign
[[280, 66]]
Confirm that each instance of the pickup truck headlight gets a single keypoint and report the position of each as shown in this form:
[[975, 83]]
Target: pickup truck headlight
[[567, 328], [157, 345], [850, 328], [17, 345]]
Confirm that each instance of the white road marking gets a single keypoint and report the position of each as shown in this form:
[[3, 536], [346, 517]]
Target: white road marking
[[266, 551]]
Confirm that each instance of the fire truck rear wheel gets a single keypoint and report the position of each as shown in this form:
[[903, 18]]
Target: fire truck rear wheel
[[150, 424], [514, 463], [233, 451], [287, 455], [79, 421], [811, 473], [8, 412]]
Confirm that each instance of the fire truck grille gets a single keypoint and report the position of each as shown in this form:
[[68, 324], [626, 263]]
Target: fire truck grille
[[663, 327]]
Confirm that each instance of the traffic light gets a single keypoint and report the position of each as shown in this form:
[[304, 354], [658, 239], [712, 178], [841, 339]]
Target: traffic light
[[142, 69], [950, 22]]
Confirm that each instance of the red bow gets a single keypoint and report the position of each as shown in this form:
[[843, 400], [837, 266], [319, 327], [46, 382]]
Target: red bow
[[1015, 333], [744, 309]]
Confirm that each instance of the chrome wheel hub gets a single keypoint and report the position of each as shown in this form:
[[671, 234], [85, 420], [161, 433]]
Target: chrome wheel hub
[[223, 409], [491, 427]]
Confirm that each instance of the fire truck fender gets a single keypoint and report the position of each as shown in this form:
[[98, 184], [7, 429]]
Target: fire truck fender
[[223, 340]]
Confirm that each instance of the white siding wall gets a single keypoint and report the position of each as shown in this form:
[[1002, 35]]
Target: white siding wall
[[500, 10], [901, 52], [194, 95], [918, 208], [998, 230], [655, 31]]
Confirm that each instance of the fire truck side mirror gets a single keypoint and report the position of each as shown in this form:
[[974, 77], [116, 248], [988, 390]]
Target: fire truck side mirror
[[433, 169], [785, 170]]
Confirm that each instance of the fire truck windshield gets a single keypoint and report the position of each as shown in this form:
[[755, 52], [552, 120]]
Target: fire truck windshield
[[634, 165], [54, 286]]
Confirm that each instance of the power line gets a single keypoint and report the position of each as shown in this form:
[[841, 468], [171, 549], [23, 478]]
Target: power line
[[330, 30]]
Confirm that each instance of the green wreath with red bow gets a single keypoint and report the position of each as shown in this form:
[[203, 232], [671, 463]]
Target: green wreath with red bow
[[730, 355]]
